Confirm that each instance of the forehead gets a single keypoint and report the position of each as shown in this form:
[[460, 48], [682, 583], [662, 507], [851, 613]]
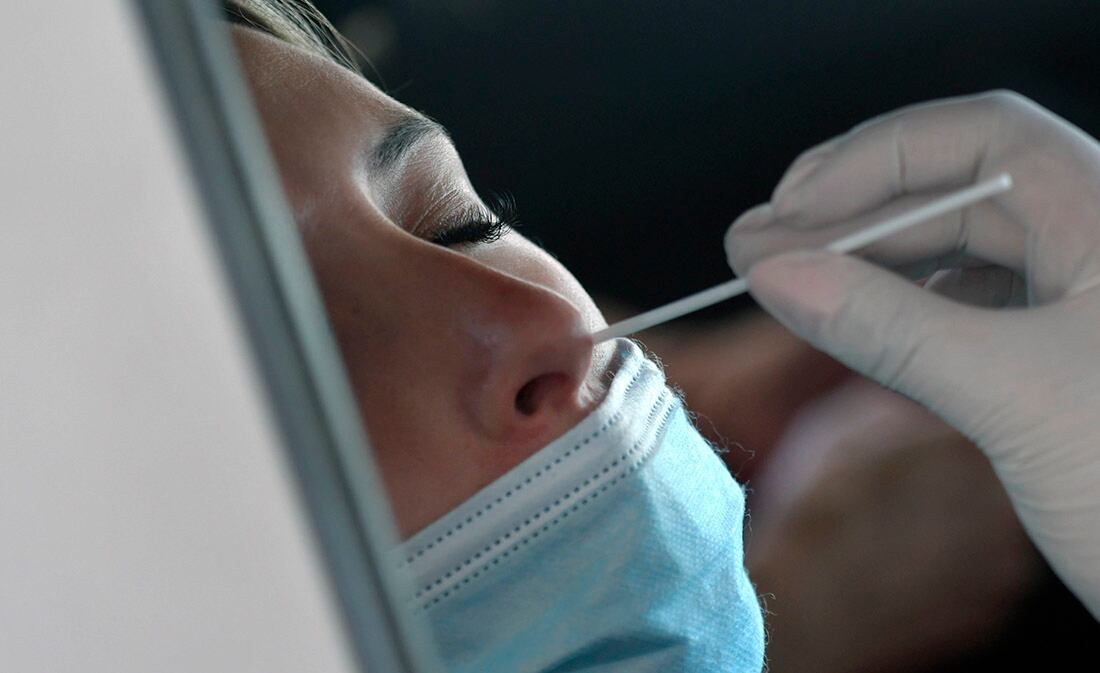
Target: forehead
[[294, 76], [327, 125], [301, 87]]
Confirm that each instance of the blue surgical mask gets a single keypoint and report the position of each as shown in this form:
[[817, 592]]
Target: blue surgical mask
[[618, 547]]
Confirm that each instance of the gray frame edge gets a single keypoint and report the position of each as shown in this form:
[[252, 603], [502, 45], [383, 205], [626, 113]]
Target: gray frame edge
[[287, 330]]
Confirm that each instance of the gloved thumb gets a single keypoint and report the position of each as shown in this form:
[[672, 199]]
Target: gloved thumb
[[916, 342]]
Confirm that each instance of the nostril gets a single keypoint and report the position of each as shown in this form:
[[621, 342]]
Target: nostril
[[538, 391], [525, 398]]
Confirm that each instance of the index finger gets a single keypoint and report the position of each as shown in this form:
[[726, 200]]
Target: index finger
[[931, 146]]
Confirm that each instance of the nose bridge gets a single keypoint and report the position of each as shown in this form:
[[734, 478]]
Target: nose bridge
[[536, 328], [500, 309], [530, 349]]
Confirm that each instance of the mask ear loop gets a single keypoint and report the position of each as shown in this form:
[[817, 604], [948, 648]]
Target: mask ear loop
[[729, 289]]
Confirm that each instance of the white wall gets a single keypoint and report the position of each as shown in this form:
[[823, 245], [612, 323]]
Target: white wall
[[147, 522]]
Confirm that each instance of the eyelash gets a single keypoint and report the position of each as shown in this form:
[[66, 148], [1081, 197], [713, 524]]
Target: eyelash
[[478, 229]]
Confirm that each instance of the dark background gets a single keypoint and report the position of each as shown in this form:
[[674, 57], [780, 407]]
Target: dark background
[[631, 133]]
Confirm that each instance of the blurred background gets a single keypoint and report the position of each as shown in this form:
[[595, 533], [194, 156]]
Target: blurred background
[[625, 127], [630, 135]]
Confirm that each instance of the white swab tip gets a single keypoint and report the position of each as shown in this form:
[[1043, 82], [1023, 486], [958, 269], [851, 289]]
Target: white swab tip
[[1004, 181]]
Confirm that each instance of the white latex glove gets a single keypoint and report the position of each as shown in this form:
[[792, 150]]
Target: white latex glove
[[1022, 382]]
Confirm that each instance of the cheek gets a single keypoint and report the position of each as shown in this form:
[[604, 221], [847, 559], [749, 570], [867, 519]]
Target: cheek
[[318, 176], [397, 330]]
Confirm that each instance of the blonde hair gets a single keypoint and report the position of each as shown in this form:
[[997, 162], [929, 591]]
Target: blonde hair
[[297, 22]]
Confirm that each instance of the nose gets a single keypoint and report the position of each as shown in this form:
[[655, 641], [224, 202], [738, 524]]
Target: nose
[[535, 352]]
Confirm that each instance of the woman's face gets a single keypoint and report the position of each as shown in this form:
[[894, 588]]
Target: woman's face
[[466, 356]]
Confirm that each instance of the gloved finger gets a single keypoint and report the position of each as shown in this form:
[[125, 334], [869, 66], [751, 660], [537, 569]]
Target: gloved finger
[[948, 144], [922, 271], [757, 217], [988, 286], [982, 231], [938, 145], [923, 345], [806, 164]]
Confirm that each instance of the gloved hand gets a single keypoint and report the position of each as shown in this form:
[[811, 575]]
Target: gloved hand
[[1022, 382]]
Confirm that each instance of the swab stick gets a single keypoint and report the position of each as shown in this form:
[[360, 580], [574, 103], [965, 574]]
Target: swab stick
[[845, 244]]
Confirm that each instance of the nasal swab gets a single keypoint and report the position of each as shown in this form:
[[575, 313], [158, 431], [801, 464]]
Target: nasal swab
[[845, 244]]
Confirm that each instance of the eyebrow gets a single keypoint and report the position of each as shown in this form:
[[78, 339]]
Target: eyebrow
[[402, 137]]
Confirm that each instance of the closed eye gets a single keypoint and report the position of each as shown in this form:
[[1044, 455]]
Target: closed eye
[[479, 227], [472, 231]]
